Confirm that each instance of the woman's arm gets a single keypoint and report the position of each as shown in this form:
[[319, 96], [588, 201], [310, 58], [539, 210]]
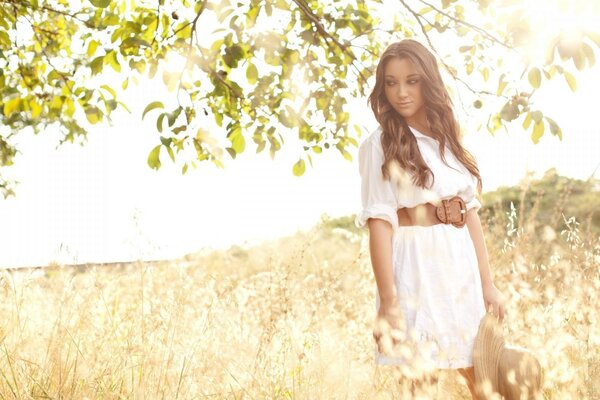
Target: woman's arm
[[476, 232], [380, 247], [491, 295], [388, 323]]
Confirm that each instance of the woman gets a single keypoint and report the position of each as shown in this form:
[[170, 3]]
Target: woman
[[427, 248]]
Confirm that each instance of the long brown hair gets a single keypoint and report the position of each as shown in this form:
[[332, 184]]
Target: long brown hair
[[398, 142]]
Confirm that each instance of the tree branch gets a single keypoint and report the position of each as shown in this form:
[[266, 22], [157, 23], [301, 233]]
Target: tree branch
[[190, 45], [448, 68], [157, 22], [52, 10], [214, 73], [326, 35], [64, 78], [472, 26]]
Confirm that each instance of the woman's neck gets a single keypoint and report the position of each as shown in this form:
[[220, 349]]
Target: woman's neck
[[421, 126], [419, 122]]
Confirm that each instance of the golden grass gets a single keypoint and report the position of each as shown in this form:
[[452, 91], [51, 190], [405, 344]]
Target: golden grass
[[288, 319]]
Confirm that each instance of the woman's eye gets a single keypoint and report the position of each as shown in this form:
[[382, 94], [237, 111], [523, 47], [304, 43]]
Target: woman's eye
[[389, 83], [413, 81]]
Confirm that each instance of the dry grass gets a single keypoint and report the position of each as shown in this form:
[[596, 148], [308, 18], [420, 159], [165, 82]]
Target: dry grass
[[289, 319]]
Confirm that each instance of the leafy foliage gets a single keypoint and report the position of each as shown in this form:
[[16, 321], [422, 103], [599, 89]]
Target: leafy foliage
[[556, 197], [272, 68], [549, 200]]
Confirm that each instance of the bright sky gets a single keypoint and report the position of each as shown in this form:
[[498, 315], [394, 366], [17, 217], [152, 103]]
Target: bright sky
[[101, 202]]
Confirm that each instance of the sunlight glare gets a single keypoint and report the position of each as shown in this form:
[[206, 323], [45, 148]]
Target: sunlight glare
[[557, 22]]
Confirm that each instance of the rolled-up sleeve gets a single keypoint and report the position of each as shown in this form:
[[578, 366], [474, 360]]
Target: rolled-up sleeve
[[377, 196], [473, 203], [471, 198]]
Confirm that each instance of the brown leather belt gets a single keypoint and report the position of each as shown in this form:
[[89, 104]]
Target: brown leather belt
[[451, 211]]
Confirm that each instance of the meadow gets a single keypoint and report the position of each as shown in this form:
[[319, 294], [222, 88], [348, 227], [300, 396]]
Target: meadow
[[284, 319]]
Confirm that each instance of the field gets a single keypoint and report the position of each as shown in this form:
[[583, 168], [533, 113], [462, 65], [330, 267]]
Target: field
[[286, 319]]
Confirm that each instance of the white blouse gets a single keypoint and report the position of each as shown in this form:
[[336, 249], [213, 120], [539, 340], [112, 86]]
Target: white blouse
[[381, 198]]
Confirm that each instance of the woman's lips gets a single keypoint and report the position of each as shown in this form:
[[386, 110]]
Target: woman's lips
[[404, 104]]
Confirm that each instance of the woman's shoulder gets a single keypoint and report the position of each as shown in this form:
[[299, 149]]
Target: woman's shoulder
[[373, 140]]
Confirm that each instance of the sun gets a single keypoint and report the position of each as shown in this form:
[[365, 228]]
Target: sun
[[554, 26]]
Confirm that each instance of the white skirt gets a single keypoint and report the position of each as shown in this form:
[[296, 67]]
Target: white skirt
[[439, 290]]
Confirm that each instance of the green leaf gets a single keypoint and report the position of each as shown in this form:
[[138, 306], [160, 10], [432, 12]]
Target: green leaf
[[91, 50], [11, 106], [97, 64], [170, 80], [285, 121], [494, 123], [218, 118], [527, 121], [170, 151], [589, 54], [166, 141], [5, 39], [111, 58], [231, 152], [485, 72], [100, 3], [251, 16], [70, 107], [501, 85], [554, 128], [251, 74], [36, 109], [159, 121], [152, 106], [510, 111], [570, 80], [109, 90], [537, 116], [298, 168], [535, 77], [154, 157], [538, 131], [93, 114], [134, 42], [579, 59], [124, 106], [238, 143]]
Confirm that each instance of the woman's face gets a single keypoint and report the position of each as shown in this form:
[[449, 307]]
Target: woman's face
[[403, 87]]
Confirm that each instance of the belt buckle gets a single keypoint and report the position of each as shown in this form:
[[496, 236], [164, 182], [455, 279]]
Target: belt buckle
[[452, 211]]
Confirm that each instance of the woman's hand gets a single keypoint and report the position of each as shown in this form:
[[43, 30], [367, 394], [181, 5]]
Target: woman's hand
[[389, 329], [494, 299]]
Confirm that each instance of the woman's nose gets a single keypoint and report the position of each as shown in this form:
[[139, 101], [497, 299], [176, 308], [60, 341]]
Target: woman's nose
[[401, 91]]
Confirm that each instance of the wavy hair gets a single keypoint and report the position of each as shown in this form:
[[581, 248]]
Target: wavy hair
[[398, 142]]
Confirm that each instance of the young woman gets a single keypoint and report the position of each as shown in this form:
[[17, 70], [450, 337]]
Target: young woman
[[419, 204]]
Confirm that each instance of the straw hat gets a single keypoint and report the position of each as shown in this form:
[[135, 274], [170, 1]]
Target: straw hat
[[500, 368]]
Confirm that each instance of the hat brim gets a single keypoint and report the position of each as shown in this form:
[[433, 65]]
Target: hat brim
[[489, 343]]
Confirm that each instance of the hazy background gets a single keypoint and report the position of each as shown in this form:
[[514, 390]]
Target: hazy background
[[101, 202]]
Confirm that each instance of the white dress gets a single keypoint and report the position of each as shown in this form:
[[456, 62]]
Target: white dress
[[435, 267]]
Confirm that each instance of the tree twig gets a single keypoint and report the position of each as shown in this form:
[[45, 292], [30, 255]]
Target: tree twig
[[472, 26], [448, 68], [52, 10], [326, 35]]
